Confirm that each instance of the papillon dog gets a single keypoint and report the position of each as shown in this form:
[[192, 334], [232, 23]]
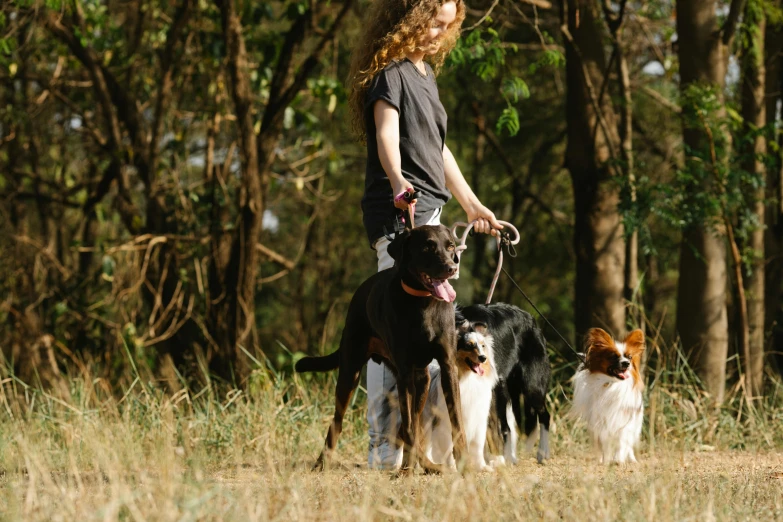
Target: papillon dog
[[608, 393]]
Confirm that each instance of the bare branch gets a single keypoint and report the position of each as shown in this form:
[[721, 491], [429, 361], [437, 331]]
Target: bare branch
[[486, 15], [181, 17], [275, 106], [274, 256], [660, 98]]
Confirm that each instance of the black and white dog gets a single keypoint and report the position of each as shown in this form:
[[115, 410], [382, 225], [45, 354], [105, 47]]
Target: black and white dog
[[522, 365]]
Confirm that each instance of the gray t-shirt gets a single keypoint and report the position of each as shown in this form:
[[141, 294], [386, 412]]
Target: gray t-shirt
[[422, 138]]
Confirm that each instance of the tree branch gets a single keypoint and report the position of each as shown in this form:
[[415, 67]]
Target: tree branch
[[65, 33], [655, 95], [486, 15], [595, 102], [275, 106], [176, 29], [274, 256], [730, 25]]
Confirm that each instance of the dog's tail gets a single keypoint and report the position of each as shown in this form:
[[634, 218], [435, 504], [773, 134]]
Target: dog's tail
[[318, 364]]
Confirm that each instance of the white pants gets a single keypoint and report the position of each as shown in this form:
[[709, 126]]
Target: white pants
[[383, 411]]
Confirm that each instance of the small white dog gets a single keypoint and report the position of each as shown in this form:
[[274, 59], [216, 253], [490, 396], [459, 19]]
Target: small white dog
[[608, 394]]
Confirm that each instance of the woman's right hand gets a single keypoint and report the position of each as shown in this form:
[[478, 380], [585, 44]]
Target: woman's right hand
[[400, 187]]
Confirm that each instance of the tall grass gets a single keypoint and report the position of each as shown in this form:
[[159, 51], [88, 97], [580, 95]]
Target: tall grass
[[86, 451]]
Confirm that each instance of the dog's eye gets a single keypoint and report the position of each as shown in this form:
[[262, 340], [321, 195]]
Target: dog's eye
[[431, 245], [451, 247]]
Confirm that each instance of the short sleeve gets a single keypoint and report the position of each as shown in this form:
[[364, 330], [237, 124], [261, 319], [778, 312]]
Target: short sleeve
[[386, 86]]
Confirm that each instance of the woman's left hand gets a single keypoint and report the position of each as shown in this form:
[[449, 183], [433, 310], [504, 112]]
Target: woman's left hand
[[486, 222]]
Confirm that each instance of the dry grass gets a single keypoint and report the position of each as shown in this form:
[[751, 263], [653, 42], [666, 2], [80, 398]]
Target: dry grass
[[192, 456]]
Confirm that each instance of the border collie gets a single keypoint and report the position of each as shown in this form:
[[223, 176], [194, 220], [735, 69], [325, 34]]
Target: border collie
[[522, 365], [477, 378]]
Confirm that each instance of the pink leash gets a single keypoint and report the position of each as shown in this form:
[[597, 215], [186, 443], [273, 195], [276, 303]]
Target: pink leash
[[461, 247], [410, 196]]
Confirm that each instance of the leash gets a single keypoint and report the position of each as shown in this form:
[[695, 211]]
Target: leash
[[579, 355], [410, 196], [504, 239]]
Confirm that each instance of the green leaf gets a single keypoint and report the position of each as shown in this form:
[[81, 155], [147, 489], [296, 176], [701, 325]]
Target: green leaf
[[60, 309], [515, 88], [509, 120]]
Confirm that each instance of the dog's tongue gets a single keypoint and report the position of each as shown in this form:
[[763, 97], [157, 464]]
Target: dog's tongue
[[480, 371], [442, 289]]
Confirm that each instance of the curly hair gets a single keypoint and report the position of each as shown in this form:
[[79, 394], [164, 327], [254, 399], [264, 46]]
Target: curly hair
[[392, 31]]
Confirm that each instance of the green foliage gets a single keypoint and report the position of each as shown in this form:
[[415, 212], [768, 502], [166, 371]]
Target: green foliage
[[509, 120], [515, 89], [712, 186], [552, 57], [697, 194], [749, 38], [484, 55]]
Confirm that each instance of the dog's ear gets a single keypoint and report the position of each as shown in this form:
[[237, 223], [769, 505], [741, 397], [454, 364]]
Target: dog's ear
[[463, 325], [397, 246], [634, 342], [597, 339], [480, 328]]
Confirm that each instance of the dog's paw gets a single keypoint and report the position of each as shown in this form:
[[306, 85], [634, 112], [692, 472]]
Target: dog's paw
[[320, 464], [542, 455], [497, 462], [429, 467], [403, 473]]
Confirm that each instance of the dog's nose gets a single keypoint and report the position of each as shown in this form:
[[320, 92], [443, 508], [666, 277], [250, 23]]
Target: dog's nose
[[625, 364], [453, 269], [482, 358]]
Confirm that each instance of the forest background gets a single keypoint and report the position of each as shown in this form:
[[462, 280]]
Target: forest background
[[179, 185]]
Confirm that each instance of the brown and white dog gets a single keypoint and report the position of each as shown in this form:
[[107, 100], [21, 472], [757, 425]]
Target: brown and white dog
[[608, 393]]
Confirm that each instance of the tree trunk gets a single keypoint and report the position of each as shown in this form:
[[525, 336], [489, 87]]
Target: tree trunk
[[754, 115], [773, 235], [593, 146], [702, 322], [233, 278], [631, 276], [231, 319]]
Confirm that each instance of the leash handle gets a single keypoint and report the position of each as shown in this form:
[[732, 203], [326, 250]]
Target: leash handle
[[409, 195], [469, 226], [502, 236]]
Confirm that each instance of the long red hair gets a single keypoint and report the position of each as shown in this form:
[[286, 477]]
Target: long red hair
[[391, 32]]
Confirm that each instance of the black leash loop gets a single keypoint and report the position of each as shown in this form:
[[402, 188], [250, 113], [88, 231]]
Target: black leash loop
[[579, 356]]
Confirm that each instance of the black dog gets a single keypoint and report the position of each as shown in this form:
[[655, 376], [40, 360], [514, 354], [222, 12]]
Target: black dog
[[522, 365], [402, 316]]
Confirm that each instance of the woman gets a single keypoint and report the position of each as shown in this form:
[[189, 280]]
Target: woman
[[395, 107]]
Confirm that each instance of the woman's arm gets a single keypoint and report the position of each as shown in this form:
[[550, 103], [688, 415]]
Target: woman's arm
[[486, 222], [387, 133]]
